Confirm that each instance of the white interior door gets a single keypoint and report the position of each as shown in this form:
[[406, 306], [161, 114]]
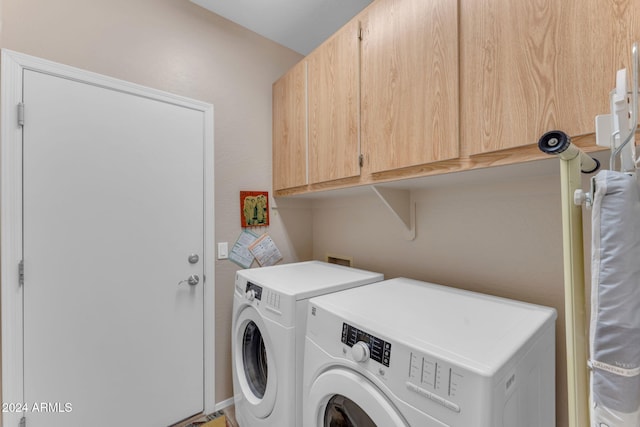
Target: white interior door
[[113, 208]]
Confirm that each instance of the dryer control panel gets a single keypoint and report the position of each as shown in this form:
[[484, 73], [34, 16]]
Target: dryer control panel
[[379, 349], [257, 290]]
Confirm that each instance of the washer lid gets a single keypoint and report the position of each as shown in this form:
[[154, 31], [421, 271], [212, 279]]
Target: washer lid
[[472, 329], [307, 279]]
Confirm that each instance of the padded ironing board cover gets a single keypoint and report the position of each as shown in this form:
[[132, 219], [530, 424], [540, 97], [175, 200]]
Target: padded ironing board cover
[[615, 301]]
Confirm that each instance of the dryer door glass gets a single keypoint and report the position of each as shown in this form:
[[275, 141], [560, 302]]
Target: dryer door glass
[[343, 412], [254, 356]]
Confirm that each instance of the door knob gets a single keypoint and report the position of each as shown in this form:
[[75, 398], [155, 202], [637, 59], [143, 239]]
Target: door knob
[[193, 280]]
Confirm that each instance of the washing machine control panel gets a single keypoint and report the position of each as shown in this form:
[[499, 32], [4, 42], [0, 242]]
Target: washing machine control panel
[[255, 290], [379, 349]]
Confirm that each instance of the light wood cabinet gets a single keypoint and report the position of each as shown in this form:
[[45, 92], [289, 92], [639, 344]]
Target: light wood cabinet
[[333, 97], [443, 86], [316, 115], [392, 97], [290, 129], [530, 67], [409, 83]]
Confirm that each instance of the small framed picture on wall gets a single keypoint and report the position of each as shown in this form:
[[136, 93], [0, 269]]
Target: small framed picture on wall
[[254, 208]]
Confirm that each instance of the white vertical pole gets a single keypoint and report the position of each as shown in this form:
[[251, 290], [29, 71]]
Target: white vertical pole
[[574, 295]]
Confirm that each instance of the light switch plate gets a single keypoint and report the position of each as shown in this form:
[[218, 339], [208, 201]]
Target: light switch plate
[[223, 250]]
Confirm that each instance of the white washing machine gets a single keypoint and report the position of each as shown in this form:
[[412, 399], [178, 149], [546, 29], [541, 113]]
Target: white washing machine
[[269, 319], [404, 353]]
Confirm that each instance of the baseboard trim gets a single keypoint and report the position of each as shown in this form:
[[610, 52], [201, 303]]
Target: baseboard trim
[[224, 404]]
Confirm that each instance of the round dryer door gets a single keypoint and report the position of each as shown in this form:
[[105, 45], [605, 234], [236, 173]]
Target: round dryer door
[[254, 363], [342, 411], [342, 398]]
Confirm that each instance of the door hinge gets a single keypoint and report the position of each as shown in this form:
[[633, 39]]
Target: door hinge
[[23, 422], [361, 160], [21, 114], [21, 272]]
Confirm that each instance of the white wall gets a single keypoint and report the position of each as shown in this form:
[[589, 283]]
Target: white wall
[[176, 46]]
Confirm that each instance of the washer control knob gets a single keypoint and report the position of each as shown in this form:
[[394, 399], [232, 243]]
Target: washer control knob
[[250, 295], [360, 351]]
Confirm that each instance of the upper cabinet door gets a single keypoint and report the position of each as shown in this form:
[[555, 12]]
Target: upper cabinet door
[[409, 83], [290, 129], [532, 66], [333, 91]]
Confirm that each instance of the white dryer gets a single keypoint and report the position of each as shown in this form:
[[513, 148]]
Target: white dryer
[[402, 353], [269, 318]]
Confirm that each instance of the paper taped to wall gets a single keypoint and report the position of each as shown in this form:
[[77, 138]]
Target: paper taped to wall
[[265, 251], [240, 253]]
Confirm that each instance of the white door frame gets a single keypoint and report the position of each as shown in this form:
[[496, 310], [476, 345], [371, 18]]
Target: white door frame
[[12, 66]]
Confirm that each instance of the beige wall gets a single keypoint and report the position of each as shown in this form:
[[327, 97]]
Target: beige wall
[[501, 236], [176, 46]]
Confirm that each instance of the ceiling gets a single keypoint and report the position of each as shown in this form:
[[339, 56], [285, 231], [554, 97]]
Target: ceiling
[[300, 25]]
